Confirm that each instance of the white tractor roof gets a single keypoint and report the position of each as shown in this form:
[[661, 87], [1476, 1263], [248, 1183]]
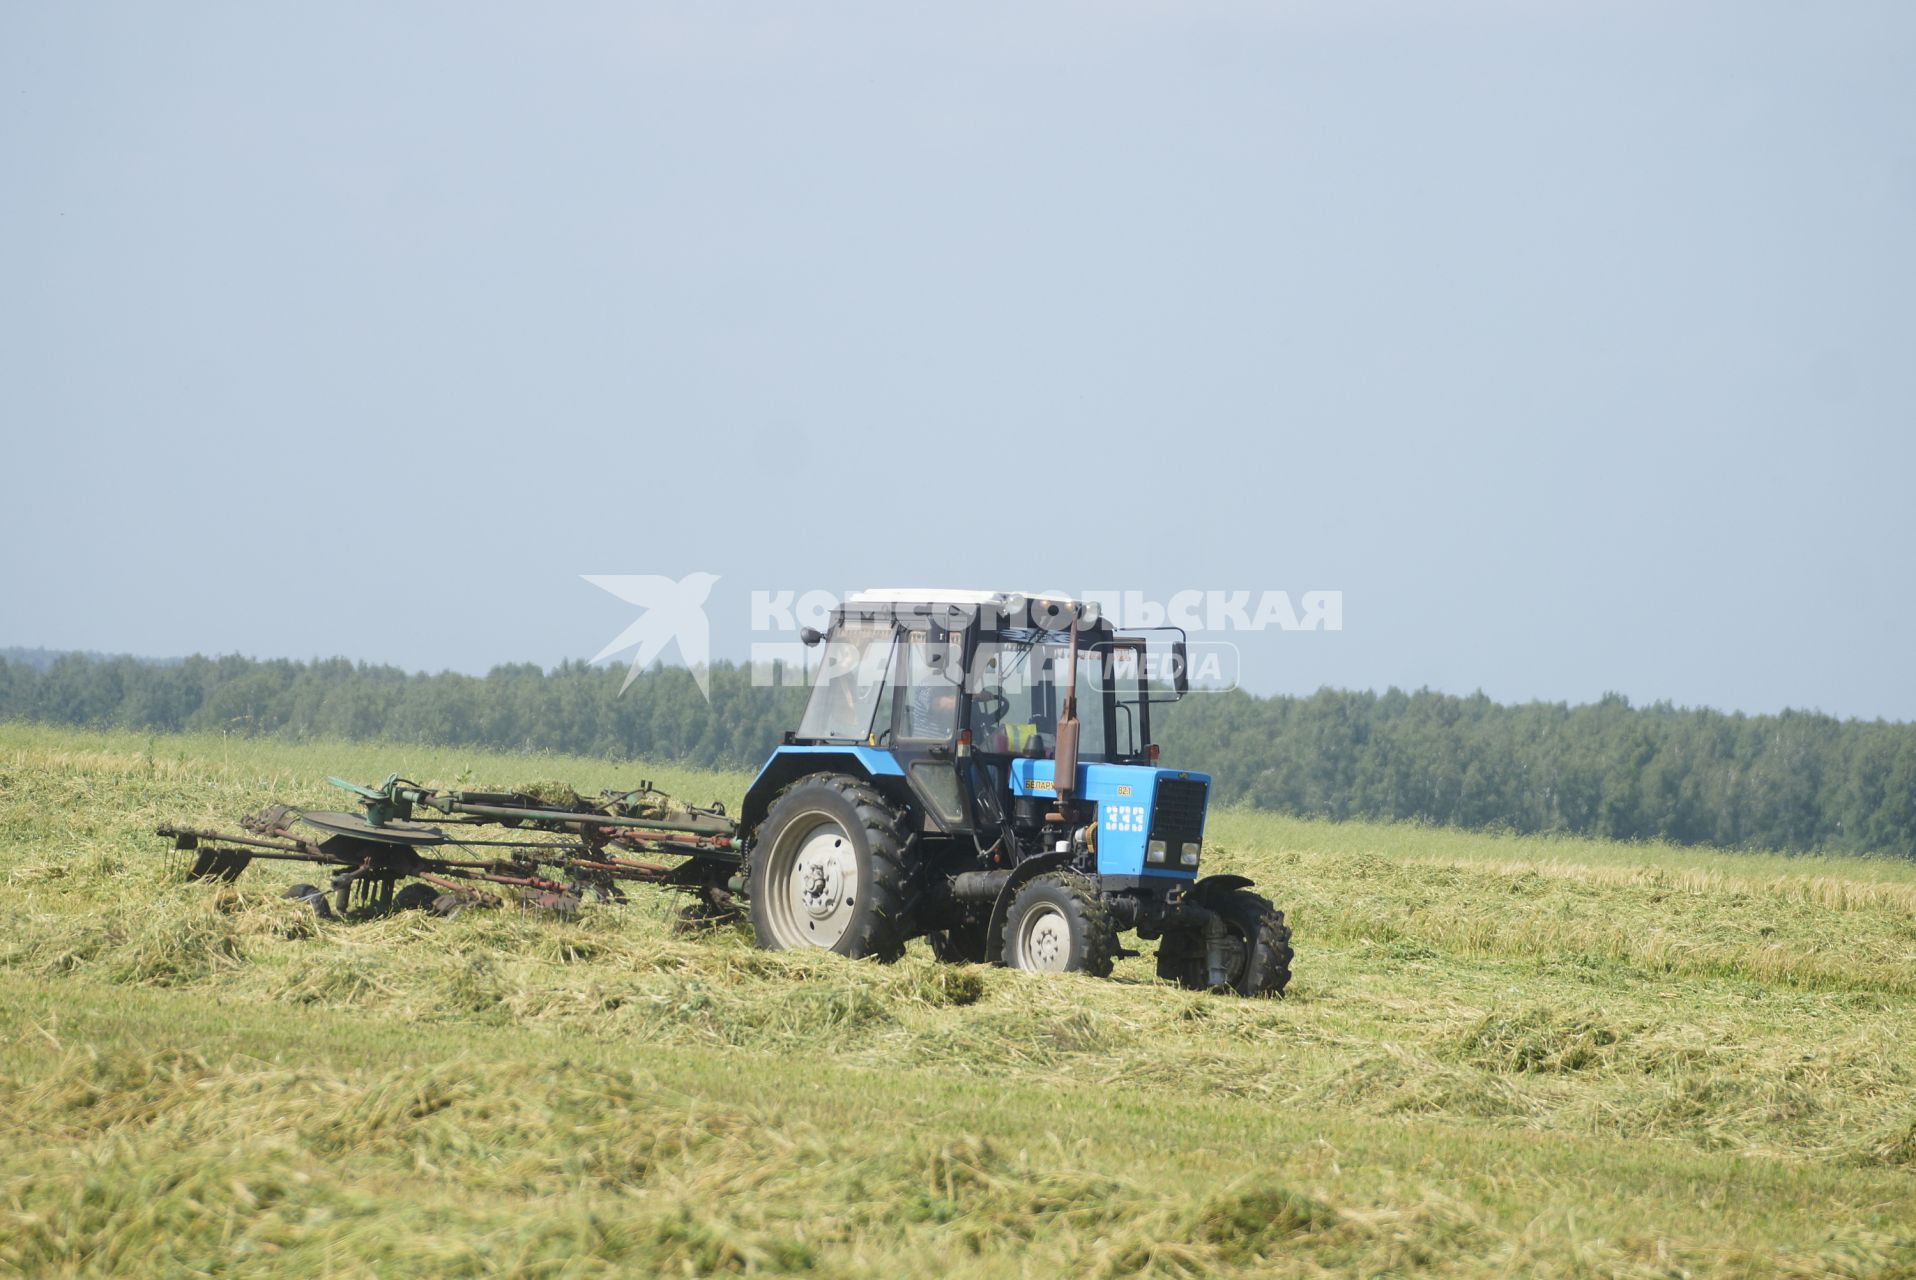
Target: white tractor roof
[[947, 595]]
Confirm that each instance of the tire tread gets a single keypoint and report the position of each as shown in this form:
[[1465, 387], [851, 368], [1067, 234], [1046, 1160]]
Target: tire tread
[[1267, 966], [883, 930], [1094, 923]]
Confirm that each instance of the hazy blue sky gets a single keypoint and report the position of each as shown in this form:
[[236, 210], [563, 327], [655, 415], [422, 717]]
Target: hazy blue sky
[[1575, 343]]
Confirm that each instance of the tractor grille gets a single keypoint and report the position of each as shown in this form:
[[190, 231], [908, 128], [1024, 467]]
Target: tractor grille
[[1178, 813]]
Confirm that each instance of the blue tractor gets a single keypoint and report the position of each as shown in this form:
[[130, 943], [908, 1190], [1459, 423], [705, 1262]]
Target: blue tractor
[[943, 783]]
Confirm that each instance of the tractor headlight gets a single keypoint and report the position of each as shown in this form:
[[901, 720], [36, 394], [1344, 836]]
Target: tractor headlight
[[1154, 852], [1189, 856]]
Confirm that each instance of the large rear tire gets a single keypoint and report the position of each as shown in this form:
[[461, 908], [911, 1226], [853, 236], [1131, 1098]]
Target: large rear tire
[[1058, 923], [826, 870], [1262, 961]]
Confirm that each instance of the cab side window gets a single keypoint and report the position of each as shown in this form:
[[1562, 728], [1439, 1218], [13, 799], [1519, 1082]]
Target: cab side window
[[924, 697]]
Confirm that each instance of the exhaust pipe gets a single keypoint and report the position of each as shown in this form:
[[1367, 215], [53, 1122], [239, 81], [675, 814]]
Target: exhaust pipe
[[1064, 764]]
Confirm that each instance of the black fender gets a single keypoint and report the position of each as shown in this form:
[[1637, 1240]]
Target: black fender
[[1217, 886], [1026, 871]]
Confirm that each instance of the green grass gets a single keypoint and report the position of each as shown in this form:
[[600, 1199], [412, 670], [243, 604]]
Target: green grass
[[1501, 1056]]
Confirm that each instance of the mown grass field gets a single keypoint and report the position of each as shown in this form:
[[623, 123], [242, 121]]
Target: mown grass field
[[1499, 1057]]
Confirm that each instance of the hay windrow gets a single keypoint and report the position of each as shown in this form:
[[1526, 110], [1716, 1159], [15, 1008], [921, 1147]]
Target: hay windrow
[[1508, 1057]]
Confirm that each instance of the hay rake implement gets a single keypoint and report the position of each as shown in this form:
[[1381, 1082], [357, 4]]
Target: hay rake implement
[[545, 848]]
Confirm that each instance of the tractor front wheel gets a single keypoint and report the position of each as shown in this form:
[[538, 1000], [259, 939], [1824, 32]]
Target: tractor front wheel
[[1058, 923], [1259, 946], [827, 871]]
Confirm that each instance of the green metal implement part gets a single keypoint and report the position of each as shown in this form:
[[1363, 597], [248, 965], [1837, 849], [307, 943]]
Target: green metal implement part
[[558, 846], [395, 798]]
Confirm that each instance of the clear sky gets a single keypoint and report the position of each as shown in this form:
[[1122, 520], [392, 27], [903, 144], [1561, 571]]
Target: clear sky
[[1574, 343]]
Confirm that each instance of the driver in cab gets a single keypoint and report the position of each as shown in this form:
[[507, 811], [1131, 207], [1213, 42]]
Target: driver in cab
[[989, 712], [932, 713]]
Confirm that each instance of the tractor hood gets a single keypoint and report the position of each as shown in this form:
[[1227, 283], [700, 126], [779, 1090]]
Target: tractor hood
[[1149, 819]]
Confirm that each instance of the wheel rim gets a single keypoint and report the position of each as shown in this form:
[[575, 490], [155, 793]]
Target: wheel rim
[[1237, 953], [812, 887], [1238, 949], [1044, 939]]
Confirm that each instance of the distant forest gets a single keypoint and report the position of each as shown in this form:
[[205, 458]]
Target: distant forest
[[1796, 781]]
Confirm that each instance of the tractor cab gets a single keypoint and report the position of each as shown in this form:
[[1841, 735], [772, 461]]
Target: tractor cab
[[964, 694]]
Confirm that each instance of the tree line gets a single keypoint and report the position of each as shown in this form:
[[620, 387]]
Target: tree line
[[1796, 781]]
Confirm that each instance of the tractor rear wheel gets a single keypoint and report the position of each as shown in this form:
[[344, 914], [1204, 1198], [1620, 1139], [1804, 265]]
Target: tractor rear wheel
[[1058, 923], [827, 870], [1261, 950]]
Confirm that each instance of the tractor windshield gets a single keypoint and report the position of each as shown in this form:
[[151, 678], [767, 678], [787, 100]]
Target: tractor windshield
[[1018, 694], [851, 678]]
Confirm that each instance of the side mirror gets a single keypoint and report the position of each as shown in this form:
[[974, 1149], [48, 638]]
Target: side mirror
[[1180, 668], [811, 636]]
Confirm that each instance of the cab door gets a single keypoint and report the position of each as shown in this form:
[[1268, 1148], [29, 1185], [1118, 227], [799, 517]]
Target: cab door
[[925, 704]]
